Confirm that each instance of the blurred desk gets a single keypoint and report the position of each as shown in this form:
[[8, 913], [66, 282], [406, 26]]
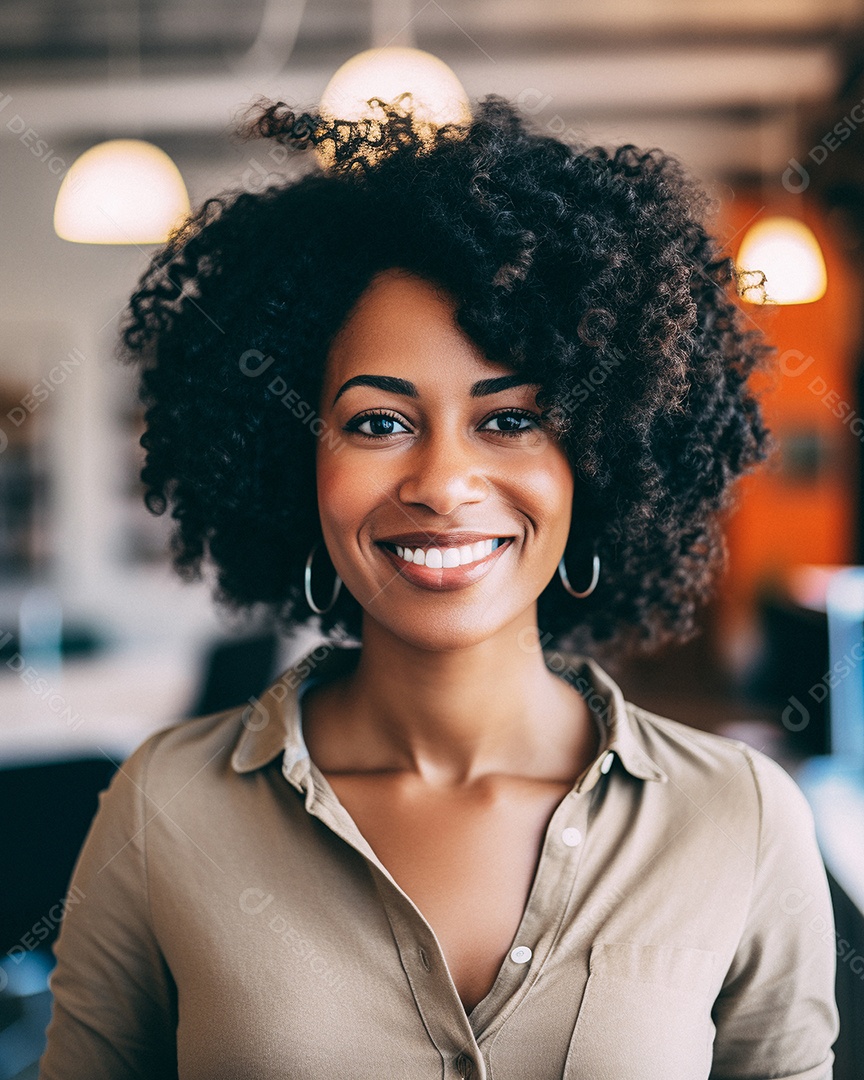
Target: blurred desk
[[103, 704]]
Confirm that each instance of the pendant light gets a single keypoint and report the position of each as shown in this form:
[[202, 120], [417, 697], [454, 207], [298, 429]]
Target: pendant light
[[411, 78], [782, 248], [436, 95], [122, 191], [396, 72], [788, 253]]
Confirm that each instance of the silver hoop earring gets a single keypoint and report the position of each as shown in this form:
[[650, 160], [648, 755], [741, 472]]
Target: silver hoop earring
[[307, 584], [595, 577]]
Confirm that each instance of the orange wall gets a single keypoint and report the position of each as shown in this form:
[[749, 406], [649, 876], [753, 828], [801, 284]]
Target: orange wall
[[783, 521]]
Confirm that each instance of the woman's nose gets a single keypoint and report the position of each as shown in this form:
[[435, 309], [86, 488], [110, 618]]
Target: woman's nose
[[442, 475]]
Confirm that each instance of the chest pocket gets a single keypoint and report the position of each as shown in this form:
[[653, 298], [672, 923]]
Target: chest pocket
[[645, 1014]]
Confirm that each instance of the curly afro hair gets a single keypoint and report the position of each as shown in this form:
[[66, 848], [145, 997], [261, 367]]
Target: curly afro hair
[[589, 269]]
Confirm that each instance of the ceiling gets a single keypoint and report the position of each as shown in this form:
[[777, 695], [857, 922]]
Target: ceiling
[[727, 84]]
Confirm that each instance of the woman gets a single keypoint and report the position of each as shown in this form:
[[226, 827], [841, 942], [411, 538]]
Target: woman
[[465, 398]]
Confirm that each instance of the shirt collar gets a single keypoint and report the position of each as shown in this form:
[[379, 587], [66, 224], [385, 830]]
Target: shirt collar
[[620, 734], [272, 722]]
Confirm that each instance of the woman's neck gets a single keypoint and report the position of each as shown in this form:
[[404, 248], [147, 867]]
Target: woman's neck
[[450, 717]]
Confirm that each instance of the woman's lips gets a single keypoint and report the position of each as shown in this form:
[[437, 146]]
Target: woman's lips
[[444, 577]]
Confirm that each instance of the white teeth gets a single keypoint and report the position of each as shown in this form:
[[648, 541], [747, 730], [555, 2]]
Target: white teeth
[[451, 556]]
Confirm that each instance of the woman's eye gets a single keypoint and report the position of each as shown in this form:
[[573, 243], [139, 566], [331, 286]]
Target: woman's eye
[[377, 425], [511, 423]]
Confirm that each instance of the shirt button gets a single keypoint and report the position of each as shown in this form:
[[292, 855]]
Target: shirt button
[[521, 954], [465, 1065], [607, 762], [571, 837]]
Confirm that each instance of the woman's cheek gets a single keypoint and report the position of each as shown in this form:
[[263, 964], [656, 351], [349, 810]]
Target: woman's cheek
[[336, 495], [544, 486], [348, 491]]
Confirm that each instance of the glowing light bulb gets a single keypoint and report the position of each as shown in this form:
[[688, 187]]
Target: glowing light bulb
[[435, 95], [123, 191], [785, 250]]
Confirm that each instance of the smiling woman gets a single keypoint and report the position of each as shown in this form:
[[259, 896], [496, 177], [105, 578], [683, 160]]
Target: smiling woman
[[441, 851]]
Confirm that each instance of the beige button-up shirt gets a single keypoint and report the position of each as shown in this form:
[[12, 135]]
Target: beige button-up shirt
[[230, 920]]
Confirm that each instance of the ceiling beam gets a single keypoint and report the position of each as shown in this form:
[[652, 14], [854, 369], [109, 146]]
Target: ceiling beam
[[671, 81]]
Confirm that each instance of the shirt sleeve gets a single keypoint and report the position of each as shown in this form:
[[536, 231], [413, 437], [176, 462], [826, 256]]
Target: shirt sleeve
[[114, 1001], [776, 1015]]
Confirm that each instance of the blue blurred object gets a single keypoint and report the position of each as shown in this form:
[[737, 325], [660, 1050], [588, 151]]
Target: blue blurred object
[[834, 786], [25, 1009], [845, 606], [40, 626]]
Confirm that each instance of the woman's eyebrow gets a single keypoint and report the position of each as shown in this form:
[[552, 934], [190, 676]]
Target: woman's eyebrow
[[408, 389]]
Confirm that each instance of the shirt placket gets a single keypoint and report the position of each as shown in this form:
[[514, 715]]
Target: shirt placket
[[422, 959], [549, 902]]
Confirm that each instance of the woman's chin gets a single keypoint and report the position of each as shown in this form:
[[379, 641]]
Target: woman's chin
[[441, 631]]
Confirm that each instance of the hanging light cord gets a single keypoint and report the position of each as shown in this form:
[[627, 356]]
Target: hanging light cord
[[274, 43]]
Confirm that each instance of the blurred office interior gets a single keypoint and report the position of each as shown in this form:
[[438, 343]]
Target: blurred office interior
[[763, 101]]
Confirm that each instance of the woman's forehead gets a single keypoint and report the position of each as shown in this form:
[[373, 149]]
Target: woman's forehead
[[395, 298], [404, 326]]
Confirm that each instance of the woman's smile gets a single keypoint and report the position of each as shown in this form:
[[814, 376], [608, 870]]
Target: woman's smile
[[450, 561]]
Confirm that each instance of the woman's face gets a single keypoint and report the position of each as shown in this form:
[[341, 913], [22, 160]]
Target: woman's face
[[445, 508]]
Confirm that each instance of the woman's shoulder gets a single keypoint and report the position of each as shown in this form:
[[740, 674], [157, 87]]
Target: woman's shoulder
[[200, 746], [720, 770]]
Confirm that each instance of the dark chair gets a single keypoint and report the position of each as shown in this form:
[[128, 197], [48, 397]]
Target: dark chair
[[794, 661], [234, 670]]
